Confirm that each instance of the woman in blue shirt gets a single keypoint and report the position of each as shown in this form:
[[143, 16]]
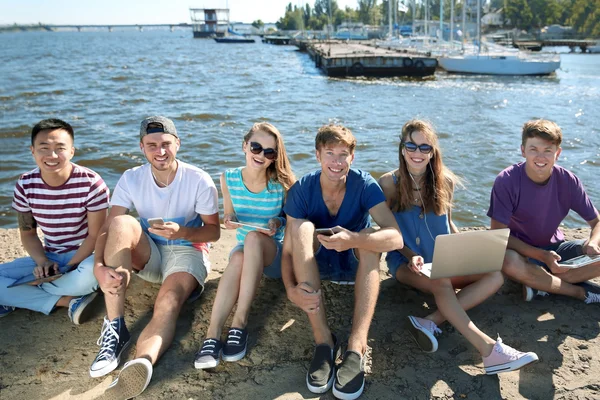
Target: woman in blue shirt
[[420, 194], [253, 198]]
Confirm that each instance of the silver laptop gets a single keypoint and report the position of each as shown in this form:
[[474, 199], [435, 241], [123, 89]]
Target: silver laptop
[[467, 253]]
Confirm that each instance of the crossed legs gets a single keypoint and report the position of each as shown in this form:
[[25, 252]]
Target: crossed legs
[[517, 268]]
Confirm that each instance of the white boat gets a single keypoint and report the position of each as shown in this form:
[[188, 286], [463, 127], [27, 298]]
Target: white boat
[[497, 60], [499, 64]]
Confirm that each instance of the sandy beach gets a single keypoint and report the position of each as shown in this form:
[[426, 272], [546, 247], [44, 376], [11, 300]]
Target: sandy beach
[[47, 357]]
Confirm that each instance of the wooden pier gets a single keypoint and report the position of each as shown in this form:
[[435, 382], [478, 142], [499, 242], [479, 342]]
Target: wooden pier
[[536, 45], [279, 40], [344, 58]]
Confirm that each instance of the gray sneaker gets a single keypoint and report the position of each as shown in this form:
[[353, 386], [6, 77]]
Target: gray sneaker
[[350, 377], [132, 381], [79, 309], [320, 375]]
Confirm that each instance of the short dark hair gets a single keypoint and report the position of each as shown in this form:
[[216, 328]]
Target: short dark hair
[[51, 124]]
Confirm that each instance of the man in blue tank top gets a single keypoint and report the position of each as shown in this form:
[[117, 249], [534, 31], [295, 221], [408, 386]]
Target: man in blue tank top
[[342, 199]]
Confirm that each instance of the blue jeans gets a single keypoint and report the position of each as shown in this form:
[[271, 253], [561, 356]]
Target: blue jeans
[[566, 251], [43, 298], [336, 266]]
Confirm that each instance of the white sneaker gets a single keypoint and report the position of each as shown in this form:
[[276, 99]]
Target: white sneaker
[[504, 358], [132, 380], [424, 331], [529, 293]]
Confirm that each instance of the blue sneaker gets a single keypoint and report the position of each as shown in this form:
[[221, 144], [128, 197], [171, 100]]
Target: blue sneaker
[[78, 305], [592, 290], [113, 340], [5, 310]]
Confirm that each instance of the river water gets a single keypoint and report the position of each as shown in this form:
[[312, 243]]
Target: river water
[[105, 83]]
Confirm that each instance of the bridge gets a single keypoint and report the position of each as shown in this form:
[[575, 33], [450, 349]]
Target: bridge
[[79, 28]]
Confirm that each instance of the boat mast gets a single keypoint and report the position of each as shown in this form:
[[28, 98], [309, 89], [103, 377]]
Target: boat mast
[[464, 21], [452, 23], [390, 16], [478, 26]]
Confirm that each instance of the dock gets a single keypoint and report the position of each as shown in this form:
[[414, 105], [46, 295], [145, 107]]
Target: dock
[[353, 58], [279, 40]]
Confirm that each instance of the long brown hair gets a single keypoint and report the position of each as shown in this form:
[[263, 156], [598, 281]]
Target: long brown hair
[[280, 170], [438, 183]]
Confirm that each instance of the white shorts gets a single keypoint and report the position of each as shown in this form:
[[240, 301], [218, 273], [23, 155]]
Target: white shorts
[[169, 259]]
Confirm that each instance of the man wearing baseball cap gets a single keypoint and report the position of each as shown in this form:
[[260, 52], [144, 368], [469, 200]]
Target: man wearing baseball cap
[[177, 206]]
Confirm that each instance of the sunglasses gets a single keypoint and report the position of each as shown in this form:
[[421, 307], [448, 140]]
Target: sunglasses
[[256, 148], [423, 148]]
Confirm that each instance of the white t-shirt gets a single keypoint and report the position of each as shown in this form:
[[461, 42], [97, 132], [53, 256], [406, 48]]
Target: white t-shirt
[[191, 193]]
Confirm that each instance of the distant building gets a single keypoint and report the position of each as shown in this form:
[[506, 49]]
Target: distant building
[[557, 32], [493, 18], [209, 22]]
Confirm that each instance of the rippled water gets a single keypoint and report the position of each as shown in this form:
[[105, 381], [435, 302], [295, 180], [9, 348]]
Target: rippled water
[[106, 83]]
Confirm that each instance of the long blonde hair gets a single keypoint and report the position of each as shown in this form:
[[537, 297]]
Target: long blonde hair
[[280, 170], [438, 183]]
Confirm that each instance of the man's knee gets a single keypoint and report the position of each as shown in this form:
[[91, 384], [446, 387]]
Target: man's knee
[[123, 226], [513, 264], [440, 285], [169, 302], [368, 259]]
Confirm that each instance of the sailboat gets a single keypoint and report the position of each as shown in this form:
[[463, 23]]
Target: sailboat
[[234, 37], [498, 62]]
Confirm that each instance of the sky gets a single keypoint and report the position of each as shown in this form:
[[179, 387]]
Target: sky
[[91, 12]]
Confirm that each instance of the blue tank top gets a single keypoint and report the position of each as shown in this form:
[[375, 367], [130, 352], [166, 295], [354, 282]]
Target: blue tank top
[[419, 231], [254, 208]]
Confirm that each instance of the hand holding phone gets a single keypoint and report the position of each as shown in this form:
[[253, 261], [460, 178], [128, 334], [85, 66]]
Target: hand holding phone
[[155, 221], [325, 231]]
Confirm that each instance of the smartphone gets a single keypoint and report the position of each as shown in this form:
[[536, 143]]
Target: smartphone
[[579, 261], [325, 231], [155, 221]]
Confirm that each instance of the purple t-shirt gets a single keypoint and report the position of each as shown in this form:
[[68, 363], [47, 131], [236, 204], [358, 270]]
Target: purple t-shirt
[[533, 212]]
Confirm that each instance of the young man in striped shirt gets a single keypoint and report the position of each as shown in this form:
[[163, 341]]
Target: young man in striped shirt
[[69, 203]]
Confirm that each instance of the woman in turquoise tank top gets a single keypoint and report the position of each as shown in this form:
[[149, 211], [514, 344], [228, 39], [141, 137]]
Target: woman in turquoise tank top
[[253, 198], [420, 194]]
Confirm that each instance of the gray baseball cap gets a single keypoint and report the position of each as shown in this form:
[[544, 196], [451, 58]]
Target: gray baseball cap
[[159, 125]]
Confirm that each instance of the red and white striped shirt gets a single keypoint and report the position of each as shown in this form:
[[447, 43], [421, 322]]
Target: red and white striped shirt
[[61, 212]]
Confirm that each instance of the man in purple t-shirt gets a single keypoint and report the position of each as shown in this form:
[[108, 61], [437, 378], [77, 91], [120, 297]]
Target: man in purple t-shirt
[[532, 199]]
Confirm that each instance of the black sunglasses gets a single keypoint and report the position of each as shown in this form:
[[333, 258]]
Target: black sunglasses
[[423, 148], [256, 148]]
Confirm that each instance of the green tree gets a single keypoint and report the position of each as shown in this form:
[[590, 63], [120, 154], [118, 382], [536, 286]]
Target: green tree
[[258, 24]]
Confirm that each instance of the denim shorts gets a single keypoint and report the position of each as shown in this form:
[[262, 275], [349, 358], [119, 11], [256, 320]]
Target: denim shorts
[[566, 251], [274, 269], [337, 266]]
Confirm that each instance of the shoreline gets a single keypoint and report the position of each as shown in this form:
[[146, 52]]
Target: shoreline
[[47, 357]]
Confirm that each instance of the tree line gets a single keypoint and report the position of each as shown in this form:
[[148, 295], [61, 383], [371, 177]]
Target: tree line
[[530, 15]]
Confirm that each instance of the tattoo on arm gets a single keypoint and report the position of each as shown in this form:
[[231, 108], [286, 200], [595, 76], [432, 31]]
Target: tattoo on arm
[[26, 221]]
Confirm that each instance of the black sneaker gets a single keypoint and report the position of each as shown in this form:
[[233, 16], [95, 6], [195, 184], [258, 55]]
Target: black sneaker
[[113, 340], [350, 377], [209, 354], [319, 377], [236, 344]]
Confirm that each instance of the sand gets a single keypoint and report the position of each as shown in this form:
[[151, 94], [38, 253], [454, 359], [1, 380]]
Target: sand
[[47, 357]]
